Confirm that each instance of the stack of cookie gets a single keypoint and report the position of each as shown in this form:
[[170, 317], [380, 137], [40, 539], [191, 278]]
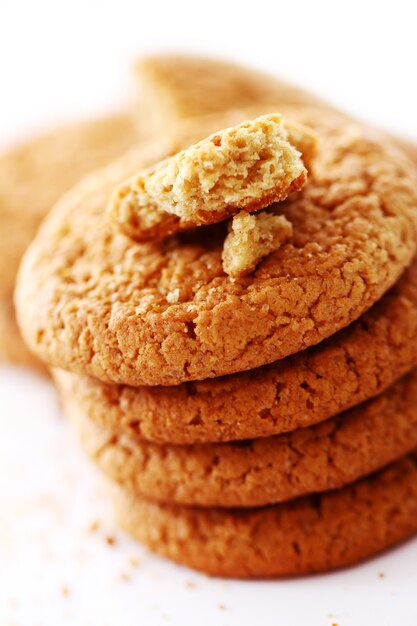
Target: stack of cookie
[[238, 361]]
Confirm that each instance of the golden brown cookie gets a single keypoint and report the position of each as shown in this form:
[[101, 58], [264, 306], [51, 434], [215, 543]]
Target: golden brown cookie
[[102, 305], [261, 471], [174, 88], [243, 167], [312, 534], [32, 178], [355, 364]]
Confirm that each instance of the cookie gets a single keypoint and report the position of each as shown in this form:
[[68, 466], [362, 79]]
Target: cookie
[[313, 534], [174, 88], [245, 167], [300, 390], [259, 471], [102, 305], [195, 129], [32, 178]]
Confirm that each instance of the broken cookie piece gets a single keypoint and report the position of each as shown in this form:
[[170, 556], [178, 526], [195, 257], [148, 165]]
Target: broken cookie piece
[[251, 238], [246, 167]]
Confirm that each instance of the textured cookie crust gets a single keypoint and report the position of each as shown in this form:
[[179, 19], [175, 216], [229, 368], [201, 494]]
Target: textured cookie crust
[[313, 534], [259, 471], [245, 167], [298, 391], [32, 178], [102, 306]]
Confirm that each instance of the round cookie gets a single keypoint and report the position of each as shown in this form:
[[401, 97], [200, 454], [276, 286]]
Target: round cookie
[[298, 391], [313, 534], [32, 178], [166, 313], [260, 471]]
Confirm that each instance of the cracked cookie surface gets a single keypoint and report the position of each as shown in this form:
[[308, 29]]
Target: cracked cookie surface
[[258, 471], [313, 534], [300, 390], [102, 306]]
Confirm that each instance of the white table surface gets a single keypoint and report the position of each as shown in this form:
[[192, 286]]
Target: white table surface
[[61, 61], [56, 566]]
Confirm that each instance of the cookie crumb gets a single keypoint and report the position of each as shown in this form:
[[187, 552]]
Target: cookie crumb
[[190, 585], [252, 237], [94, 526], [134, 562], [110, 540], [65, 591], [221, 606], [381, 575], [125, 577], [173, 296]]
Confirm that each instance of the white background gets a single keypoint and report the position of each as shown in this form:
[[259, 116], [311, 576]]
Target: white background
[[60, 59], [64, 60]]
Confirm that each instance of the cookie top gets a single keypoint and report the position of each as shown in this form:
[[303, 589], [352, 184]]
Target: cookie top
[[33, 176], [91, 301], [245, 167], [258, 471], [312, 534], [300, 390]]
